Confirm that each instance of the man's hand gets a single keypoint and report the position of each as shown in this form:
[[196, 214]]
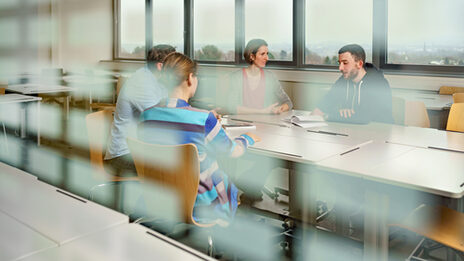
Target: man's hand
[[346, 113], [272, 109]]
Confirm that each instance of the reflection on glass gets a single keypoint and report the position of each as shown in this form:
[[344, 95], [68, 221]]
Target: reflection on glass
[[214, 30], [331, 24], [271, 21], [426, 32], [168, 23], [132, 29]]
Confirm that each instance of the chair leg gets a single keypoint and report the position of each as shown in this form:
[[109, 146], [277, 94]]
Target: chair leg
[[210, 246]]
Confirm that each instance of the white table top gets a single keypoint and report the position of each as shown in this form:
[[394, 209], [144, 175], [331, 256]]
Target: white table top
[[7, 170], [17, 98], [299, 149], [17, 240], [60, 216], [124, 242], [35, 88]]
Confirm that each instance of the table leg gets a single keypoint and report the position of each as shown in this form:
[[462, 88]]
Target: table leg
[[375, 225]]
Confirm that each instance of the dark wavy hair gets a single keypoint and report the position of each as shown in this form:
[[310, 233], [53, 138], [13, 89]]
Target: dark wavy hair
[[157, 54]]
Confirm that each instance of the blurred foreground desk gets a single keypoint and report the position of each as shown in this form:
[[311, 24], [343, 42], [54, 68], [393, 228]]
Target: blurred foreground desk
[[56, 214], [123, 242], [12, 99], [18, 240]]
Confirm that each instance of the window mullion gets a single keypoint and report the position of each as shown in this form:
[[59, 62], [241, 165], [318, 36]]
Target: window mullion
[[239, 30], [148, 25], [379, 32]]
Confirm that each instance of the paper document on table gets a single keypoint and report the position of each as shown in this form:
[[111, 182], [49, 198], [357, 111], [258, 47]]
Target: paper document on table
[[307, 121], [235, 129]]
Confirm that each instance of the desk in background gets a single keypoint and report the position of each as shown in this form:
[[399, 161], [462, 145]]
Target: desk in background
[[23, 100]]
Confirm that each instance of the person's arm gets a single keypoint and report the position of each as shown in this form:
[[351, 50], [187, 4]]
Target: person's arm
[[280, 95], [217, 139], [271, 109]]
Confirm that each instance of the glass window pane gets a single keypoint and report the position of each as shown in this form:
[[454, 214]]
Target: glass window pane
[[426, 32], [168, 23], [214, 30], [273, 22], [132, 29], [331, 24]]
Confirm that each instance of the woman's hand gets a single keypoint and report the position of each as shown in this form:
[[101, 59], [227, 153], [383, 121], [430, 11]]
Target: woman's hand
[[253, 136]]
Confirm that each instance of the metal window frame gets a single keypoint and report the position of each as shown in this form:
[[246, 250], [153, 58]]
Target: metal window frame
[[379, 41]]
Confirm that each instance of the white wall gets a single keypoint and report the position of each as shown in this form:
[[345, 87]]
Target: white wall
[[83, 33]]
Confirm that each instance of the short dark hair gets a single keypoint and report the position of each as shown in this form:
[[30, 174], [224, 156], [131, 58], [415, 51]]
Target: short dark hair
[[252, 48], [157, 54], [356, 50]]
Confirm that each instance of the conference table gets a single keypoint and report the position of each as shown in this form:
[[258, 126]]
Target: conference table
[[420, 159], [14, 99]]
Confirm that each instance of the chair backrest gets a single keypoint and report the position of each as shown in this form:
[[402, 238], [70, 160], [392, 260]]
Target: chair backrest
[[98, 125], [450, 90], [438, 223], [458, 97], [172, 166], [398, 108], [415, 114], [456, 118]]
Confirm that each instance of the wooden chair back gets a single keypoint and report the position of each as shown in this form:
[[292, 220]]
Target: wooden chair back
[[450, 90], [415, 114], [98, 128], [176, 167], [398, 108], [458, 97], [2, 90], [441, 224], [456, 118]]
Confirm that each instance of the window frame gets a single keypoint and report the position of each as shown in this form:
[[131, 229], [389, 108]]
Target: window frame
[[379, 41]]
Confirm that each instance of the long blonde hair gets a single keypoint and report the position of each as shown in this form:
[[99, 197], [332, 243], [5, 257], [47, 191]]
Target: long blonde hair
[[176, 68]]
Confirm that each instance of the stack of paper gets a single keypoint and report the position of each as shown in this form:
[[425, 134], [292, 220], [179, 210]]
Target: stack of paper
[[307, 121]]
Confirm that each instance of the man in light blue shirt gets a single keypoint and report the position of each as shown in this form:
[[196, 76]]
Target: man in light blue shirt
[[141, 91]]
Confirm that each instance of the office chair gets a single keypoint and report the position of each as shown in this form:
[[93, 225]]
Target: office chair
[[456, 118], [98, 128], [181, 175], [442, 226]]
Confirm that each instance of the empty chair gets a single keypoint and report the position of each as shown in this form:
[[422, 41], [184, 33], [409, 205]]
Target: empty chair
[[440, 224], [456, 118], [398, 109], [98, 127], [458, 97], [450, 90], [415, 114]]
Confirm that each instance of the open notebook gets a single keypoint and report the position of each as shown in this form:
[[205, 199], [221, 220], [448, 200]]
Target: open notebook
[[307, 121]]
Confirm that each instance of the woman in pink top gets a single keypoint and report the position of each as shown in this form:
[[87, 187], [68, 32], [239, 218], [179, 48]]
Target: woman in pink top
[[254, 90]]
